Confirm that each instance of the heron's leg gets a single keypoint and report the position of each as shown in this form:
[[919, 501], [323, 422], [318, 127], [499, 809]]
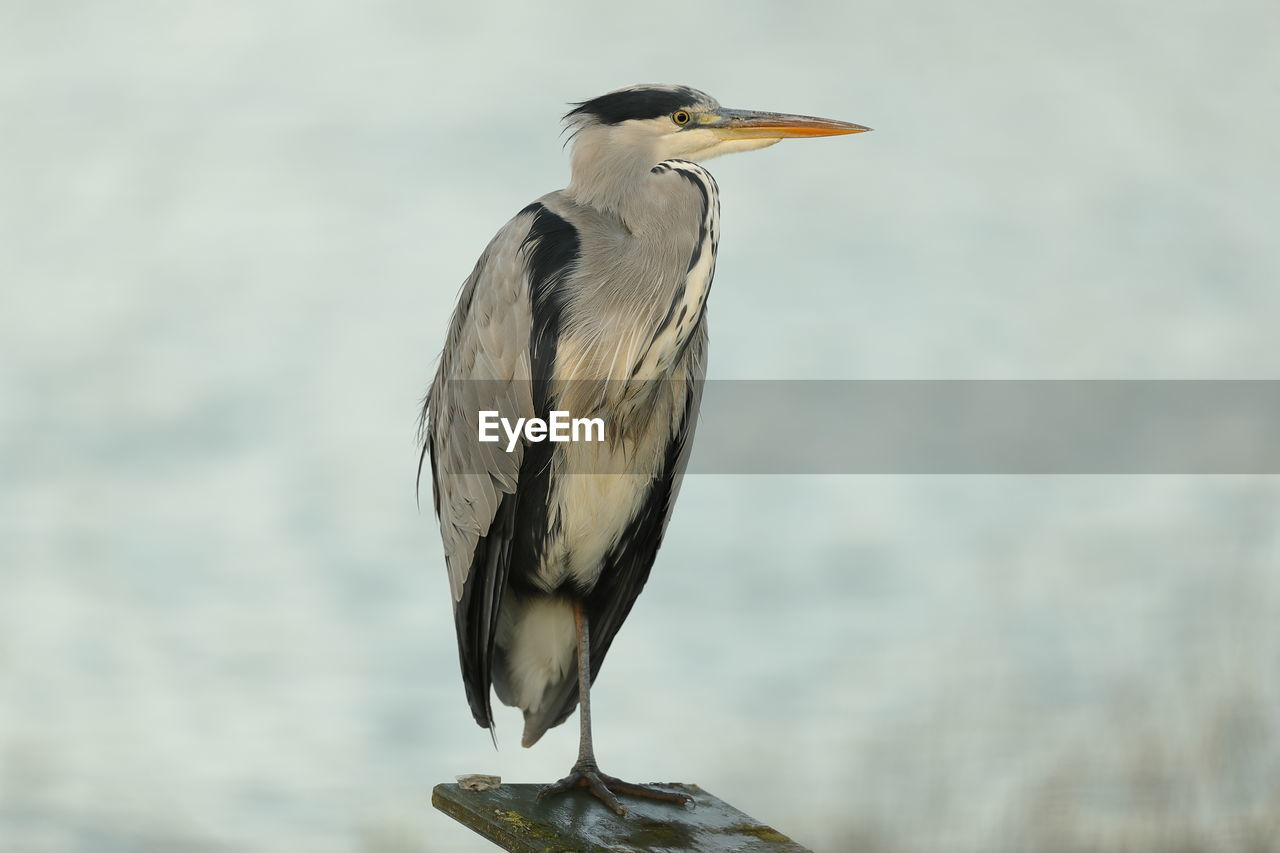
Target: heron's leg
[[586, 750], [586, 773]]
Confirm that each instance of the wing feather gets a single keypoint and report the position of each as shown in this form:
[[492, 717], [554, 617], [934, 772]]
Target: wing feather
[[505, 319]]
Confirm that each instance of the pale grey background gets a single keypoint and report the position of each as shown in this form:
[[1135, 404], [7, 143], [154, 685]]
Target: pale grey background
[[230, 234]]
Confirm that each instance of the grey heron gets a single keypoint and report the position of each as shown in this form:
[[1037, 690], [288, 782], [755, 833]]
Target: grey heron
[[548, 545]]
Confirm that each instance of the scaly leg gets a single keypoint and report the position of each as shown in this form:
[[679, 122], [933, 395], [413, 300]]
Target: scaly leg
[[585, 773]]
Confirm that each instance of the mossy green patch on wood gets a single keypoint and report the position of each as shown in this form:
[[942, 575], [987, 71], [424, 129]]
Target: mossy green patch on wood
[[516, 819]]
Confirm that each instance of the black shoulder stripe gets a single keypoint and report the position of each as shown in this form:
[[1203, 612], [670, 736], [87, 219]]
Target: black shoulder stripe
[[552, 248]]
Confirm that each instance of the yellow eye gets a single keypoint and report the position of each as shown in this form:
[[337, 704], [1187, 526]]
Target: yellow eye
[[680, 117]]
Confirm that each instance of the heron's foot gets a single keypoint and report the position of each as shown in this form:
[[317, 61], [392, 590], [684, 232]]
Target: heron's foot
[[603, 787]]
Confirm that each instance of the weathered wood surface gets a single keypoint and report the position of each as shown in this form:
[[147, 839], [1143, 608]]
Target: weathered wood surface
[[514, 818]]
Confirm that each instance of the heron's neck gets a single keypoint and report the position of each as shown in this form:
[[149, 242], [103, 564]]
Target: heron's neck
[[614, 177]]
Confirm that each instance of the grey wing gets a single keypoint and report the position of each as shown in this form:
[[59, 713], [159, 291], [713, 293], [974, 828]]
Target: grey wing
[[484, 367]]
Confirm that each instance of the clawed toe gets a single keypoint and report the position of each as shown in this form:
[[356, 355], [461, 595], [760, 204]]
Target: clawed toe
[[604, 787]]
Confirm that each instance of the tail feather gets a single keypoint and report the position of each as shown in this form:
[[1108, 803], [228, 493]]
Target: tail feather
[[535, 661], [559, 702]]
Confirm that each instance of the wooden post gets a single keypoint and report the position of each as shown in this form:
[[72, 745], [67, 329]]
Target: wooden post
[[514, 818]]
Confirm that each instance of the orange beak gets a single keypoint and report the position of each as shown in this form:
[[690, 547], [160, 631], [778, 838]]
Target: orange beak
[[750, 124]]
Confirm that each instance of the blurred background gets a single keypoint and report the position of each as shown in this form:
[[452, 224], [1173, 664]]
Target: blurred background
[[230, 237]]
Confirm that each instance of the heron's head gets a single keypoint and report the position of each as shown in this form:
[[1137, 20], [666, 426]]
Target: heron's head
[[654, 122]]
